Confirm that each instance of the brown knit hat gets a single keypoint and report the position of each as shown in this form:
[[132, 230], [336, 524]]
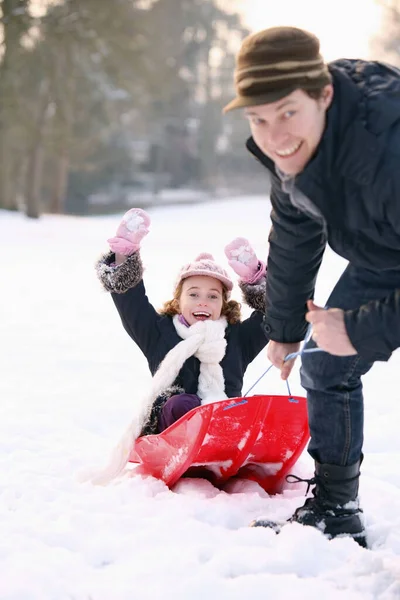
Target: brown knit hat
[[274, 63]]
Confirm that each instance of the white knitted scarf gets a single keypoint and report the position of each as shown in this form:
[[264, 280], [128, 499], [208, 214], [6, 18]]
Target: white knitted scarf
[[205, 340]]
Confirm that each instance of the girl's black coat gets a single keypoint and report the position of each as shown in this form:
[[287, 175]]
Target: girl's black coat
[[156, 335]]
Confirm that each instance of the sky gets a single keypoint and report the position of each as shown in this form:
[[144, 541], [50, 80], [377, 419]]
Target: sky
[[343, 26], [70, 381]]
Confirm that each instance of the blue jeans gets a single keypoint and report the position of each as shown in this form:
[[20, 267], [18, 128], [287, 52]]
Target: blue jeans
[[333, 383]]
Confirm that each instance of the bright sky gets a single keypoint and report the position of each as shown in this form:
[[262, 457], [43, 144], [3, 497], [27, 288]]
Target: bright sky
[[343, 26]]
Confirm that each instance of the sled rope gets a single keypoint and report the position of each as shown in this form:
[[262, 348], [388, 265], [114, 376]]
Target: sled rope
[[259, 379], [303, 349], [290, 356]]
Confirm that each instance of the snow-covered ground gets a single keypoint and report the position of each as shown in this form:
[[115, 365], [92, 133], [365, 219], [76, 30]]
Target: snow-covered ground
[[70, 377]]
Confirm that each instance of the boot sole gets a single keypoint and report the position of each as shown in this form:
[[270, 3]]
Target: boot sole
[[360, 539]]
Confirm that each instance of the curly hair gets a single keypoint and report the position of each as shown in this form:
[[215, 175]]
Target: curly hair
[[230, 308]]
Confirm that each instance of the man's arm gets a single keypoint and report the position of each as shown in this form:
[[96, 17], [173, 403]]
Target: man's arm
[[297, 244], [374, 328]]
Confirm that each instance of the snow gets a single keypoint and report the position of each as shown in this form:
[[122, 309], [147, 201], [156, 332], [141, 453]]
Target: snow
[[134, 222], [70, 379], [243, 253]]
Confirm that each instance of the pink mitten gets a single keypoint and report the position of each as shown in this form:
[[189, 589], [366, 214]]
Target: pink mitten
[[132, 229], [243, 260]]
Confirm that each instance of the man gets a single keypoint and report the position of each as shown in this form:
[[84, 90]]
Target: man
[[330, 137]]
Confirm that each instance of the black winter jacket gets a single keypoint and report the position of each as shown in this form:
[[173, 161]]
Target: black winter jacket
[[354, 181], [156, 335]]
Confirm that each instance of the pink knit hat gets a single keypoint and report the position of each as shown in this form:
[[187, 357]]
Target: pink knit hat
[[205, 264]]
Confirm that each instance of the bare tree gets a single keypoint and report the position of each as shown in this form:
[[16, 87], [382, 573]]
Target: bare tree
[[15, 21], [72, 78]]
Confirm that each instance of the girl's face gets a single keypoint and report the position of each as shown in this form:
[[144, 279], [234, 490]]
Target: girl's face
[[201, 299]]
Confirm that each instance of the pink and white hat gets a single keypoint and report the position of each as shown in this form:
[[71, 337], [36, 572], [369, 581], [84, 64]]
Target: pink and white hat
[[205, 264]]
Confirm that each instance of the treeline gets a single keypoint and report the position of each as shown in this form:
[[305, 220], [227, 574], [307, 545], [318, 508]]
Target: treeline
[[97, 95]]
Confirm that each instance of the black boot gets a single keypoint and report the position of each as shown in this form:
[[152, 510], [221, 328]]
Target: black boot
[[334, 507]]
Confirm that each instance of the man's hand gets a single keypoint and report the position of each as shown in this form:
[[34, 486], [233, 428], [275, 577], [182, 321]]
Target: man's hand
[[328, 330], [277, 352]]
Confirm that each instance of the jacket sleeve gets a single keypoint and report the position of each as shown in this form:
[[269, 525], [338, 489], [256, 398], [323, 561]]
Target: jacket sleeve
[[252, 338], [138, 316], [297, 245], [253, 294], [374, 328], [251, 332]]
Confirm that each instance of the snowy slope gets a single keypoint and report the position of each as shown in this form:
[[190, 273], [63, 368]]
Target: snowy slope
[[70, 378]]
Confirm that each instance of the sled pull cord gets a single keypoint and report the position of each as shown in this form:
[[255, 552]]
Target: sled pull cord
[[290, 356], [259, 379], [303, 349]]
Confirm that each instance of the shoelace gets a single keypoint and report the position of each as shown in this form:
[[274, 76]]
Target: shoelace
[[294, 479]]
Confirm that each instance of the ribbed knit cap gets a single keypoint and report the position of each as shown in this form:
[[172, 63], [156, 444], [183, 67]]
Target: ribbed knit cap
[[205, 264], [275, 62]]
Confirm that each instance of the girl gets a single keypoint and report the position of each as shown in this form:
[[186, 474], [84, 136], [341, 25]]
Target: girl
[[196, 346]]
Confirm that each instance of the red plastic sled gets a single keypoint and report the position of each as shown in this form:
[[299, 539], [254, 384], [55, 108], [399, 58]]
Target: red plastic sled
[[258, 438]]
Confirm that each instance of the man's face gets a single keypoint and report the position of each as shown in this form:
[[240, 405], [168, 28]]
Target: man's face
[[288, 131]]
